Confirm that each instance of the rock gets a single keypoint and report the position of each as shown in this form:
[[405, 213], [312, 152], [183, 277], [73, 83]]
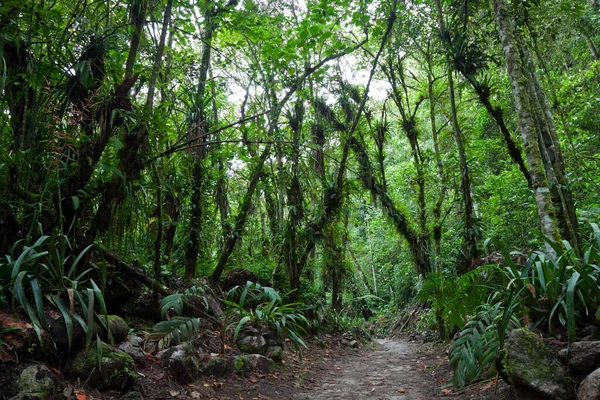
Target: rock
[[589, 332], [252, 345], [271, 337], [114, 373], [261, 363], [37, 382], [584, 357], [118, 328], [275, 353], [58, 332], [215, 366], [241, 365], [133, 350], [354, 344], [135, 339], [181, 361], [237, 277], [534, 371], [590, 387]]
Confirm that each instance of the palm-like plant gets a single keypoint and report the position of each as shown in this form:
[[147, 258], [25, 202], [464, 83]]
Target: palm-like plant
[[264, 305]]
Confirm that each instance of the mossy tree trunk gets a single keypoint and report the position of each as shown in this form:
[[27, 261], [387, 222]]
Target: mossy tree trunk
[[521, 84]]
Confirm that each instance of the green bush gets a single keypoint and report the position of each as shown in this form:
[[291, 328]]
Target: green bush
[[46, 272], [264, 305], [544, 293]]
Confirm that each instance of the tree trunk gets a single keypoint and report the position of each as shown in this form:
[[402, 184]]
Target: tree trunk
[[470, 236], [529, 132]]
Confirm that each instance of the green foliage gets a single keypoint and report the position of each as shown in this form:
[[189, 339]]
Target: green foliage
[[452, 297], [264, 305], [45, 272], [543, 293], [178, 329], [476, 346]]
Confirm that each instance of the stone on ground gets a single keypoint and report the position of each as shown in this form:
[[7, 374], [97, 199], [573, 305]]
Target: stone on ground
[[181, 361], [590, 387], [535, 373], [37, 382], [261, 363], [584, 357], [115, 371]]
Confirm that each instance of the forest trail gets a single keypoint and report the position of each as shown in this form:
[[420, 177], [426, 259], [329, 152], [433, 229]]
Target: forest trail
[[391, 372], [390, 369]]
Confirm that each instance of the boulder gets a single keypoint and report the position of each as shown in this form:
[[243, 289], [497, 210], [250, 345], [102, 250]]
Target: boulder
[[261, 363], [214, 366], [115, 371], [590, 387], [118, 328], [134, 350], [181, 361], [275, 353], [252, 344], [584, 357], [241, 365], [535, 373], [237, 277], [589, 333], [271, 337], [58, 332], [37, 382]]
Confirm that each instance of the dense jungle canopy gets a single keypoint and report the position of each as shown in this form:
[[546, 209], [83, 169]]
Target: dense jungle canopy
[[344, 149]]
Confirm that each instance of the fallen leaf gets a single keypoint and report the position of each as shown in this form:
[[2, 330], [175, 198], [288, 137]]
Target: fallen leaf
[[332, 382], [195, 395], [174, 393], [253, 380], [402, 391]]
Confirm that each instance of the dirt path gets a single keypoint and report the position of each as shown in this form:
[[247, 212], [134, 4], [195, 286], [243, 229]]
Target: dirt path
[[390, 369], [390, 372]]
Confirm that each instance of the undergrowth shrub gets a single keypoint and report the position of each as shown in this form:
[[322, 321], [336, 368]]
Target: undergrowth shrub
[[264, 305], [49, 272], [544, 293]]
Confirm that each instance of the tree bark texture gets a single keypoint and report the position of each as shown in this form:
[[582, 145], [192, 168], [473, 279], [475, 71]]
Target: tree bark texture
[[530, 134]]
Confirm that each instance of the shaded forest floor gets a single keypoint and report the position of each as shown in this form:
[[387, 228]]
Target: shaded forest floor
[[384, 369]]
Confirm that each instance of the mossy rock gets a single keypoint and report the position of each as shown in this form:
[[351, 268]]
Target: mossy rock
[[215, 366], [535, 373], [261, 363], [252, 344], [115, 371], [275, 353], [37, 382], [118, 328], [181, 361], [242, 365]]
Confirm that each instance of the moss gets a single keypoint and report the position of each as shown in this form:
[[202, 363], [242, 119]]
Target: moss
[[530, 358], [116, 367], [242, 365]]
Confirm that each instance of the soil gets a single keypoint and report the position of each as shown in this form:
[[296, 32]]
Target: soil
[[387, 369]]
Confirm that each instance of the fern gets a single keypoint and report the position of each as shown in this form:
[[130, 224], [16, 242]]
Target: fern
[[177, 330]]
